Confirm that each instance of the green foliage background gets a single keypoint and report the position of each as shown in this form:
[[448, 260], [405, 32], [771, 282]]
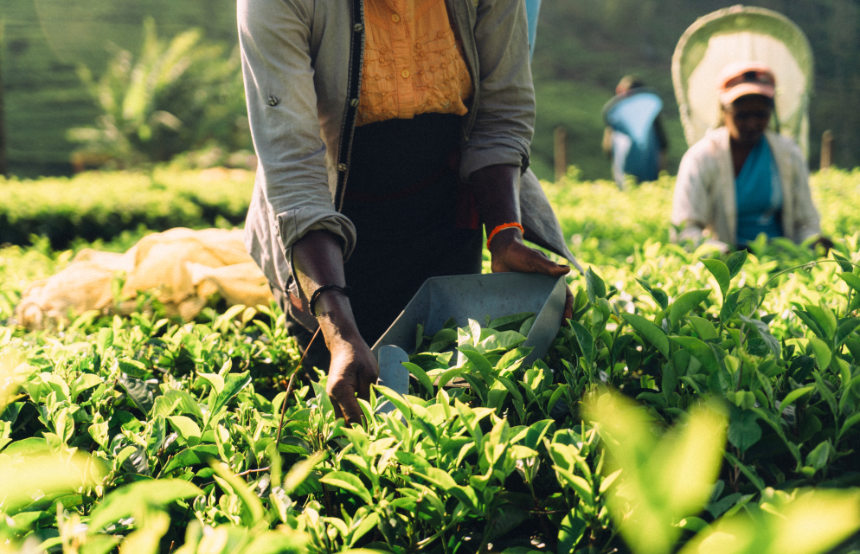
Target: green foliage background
[[583, 48], [180, 419]]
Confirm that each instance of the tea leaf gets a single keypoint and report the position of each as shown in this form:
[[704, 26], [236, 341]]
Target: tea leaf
[[139, 392], [720, 272], [649, 331], [479, 362], [300, 471], [743, 431], [657, 294], [466, 495], [571, 531], [687, 459], [185, 426], [503, 340], [704, 328], [31, 472], [844, 263], [748, 472], [699, 350], [595, 286], [820, 320], [253, 512], [145, 538], [780, 526], [684, 304], [215, 381], [135, 499], [820, 351], [852, 279], [735, 261], [845, 328], [763, 331], [850, 422], [421, 375], [365, 525], [818, 456], [195, 455], [513, 321], [794, 395], [348, 482], [398, 401], [437, 477], [133, 368], [233, 384], [584, 340]]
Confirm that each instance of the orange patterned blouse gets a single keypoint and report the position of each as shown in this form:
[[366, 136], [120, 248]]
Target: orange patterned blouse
[[413, 63]]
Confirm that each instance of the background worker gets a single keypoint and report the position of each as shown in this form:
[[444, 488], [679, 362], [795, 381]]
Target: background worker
[[634, 138], [743, 179], [386, 134]]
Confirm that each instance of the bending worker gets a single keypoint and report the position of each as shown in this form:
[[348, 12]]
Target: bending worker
[[387, 132], [743, 179]]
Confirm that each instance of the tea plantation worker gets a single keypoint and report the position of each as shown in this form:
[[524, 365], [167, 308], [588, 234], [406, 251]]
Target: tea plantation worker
[[742, 179], [386, 132], [634, 138]]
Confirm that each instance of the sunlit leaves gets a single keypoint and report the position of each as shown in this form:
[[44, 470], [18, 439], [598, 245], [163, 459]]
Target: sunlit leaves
[[663, 478]]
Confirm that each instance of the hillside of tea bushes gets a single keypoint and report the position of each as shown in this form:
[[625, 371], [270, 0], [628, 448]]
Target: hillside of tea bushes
[[696, 401]]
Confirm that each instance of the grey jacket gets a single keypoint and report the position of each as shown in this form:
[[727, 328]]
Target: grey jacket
[[301, 62], [704, 205]]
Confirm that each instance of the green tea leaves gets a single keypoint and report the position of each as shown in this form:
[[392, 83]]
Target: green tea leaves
[[649, 331]]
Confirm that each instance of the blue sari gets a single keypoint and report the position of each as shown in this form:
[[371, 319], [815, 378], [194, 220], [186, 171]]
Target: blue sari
[[758, 193]]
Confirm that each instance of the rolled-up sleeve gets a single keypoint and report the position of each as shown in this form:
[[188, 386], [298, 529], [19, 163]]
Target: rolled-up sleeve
[[691, 201], [807, 222], [274, 38], [504, 120]]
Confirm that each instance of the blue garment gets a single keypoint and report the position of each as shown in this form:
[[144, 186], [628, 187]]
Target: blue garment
[[758, 193], [635, 143], [532, 9]]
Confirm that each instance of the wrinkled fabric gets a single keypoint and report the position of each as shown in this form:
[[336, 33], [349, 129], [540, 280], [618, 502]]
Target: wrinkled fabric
[[759, 196], [182, 268], [296, 68], [412, 62]]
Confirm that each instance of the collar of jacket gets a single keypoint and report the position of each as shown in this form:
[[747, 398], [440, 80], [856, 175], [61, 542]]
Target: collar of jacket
[[463, 13]]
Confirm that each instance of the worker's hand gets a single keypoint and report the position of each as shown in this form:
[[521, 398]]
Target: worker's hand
[[823, 242], [353, 369], [509, 253], [318, 260]]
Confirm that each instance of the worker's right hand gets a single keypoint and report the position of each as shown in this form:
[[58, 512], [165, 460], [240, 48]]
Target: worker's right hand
[[318, 261], [352, 370]]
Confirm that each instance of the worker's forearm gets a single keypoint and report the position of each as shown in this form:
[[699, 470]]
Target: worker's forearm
[[495, 190], [318, 261]]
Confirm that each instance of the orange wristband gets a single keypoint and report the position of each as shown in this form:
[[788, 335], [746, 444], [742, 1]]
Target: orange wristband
[[502, 227]]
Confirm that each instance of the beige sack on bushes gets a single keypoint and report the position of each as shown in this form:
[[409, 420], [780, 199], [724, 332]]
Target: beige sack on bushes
[[181, 267]]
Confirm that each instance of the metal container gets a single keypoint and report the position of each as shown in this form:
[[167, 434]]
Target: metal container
[[464, 297]]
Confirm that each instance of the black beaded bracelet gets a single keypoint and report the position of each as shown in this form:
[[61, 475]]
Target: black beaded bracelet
[[316, 295]]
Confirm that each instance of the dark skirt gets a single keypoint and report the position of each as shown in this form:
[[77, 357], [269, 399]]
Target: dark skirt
[[404, 196]]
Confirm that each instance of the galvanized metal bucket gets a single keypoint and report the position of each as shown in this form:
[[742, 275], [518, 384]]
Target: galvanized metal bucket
[[465, 297]]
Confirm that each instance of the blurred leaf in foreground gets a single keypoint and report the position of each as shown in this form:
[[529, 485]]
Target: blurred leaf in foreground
[[663, 478], [803, 521]]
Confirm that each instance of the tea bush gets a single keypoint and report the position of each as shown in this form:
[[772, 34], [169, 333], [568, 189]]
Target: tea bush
[[171, 97], [104, 205], [744, 369]]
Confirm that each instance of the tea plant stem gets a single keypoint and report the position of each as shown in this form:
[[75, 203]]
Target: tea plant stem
[[290, 385], [251, 471]]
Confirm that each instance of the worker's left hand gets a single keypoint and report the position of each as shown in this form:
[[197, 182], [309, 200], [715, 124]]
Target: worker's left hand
[[509, 253]]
